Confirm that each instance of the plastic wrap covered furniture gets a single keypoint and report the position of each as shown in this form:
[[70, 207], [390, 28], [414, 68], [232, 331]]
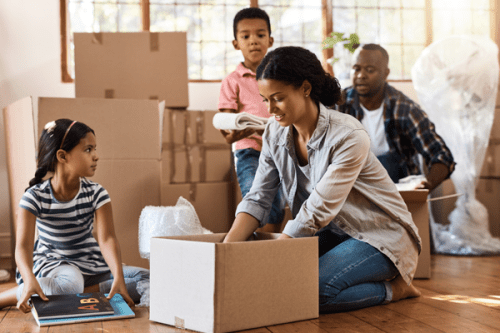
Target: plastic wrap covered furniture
[[456, 80]]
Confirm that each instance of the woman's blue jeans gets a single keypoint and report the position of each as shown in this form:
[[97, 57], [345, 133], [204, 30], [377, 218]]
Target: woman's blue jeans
[[352, 274], [247, 162]]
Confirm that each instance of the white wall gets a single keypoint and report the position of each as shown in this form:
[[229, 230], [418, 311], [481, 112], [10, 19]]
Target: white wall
[[30, 65]]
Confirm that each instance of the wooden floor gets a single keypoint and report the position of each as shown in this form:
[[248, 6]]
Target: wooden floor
[[463, 295]]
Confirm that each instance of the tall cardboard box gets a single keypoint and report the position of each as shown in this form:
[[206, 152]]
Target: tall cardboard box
[[209, 286], [193, 150], [128, 134], [197, 165], [136, 65], [416, 201], [20, 149]]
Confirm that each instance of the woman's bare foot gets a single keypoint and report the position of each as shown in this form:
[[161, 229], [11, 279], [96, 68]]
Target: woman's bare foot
[[401, 290]]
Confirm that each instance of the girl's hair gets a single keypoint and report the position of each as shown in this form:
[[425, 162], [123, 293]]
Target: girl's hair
[[293, 65], [51, 141]]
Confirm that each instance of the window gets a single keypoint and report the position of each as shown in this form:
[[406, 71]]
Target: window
[[403, 27], [209, 26]]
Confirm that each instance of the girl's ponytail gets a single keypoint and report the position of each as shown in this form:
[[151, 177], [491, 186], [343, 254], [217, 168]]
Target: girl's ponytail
[[39, 174]]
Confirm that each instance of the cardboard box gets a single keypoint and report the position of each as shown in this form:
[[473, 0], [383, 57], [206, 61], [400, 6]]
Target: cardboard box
[[20, 155], [213, 202], [129, 140], [488, 192], [193, 150], [136, 65], [416, 201], [209, 286]]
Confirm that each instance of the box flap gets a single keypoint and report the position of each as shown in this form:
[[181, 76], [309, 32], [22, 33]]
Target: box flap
[[125, 129], [415, 195], [136, 65], [179, 297]]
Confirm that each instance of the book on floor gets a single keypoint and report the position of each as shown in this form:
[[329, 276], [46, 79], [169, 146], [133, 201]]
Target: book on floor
[[119, 307], [71, 305]]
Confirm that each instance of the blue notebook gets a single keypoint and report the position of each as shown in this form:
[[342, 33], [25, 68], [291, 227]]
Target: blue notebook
[[122, 310]]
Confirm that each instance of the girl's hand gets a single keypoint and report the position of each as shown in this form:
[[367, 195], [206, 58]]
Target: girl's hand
[[30, 288], [118, 287]]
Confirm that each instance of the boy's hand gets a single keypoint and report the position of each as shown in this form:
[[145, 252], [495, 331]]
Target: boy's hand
[[233, 136], [30, 288]]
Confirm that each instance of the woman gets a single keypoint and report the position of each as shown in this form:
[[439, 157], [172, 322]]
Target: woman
[[335, 187]]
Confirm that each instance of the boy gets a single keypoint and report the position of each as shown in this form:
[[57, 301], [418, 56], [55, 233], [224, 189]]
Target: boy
[[239, 93]]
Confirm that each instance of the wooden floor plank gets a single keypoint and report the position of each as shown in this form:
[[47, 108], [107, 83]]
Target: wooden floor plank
[[465, 308], [391, 321], [94, 326], [438, 318], [15, 321], [344, 322], [256, 330], [140, 323], [297, 327]]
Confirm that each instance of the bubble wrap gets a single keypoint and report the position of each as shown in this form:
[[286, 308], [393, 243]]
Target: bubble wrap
[[456, 80], [177, 220]]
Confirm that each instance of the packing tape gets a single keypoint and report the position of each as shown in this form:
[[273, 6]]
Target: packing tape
[[186, 147], [170, 118], [154, 41], [179, 322], [192, 192], [97, 38], [109, 93]]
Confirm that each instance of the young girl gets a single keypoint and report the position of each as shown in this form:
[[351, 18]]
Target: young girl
[[66, 258], [335, 187]]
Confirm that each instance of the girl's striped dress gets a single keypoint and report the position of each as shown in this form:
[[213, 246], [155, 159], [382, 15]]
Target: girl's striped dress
[[65, 228]]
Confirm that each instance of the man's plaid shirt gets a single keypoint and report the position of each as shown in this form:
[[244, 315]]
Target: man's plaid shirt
[[408, 130]]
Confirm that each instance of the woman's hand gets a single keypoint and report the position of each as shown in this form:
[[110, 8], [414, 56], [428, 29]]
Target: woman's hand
[[119, 287], [31, 287], [284, 236]]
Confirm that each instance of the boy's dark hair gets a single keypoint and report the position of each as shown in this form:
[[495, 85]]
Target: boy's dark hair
[[376, 47], [250, 13], [50, 142], [293, 65]]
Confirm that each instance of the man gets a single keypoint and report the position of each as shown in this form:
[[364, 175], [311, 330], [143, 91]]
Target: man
[[398, 128]]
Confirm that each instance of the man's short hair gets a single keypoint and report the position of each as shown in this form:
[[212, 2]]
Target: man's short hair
[[250, 13], [377, 47]]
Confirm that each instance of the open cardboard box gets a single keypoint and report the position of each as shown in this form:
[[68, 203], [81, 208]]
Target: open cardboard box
[[202, 284]]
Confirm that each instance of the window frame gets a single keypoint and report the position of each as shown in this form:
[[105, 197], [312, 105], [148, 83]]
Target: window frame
[[326, 22]]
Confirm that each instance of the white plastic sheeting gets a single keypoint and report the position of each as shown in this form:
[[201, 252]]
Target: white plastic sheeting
[[456, 80], [161, 221]]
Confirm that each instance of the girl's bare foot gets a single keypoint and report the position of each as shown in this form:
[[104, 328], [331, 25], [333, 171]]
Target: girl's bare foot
[[401, 290]]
